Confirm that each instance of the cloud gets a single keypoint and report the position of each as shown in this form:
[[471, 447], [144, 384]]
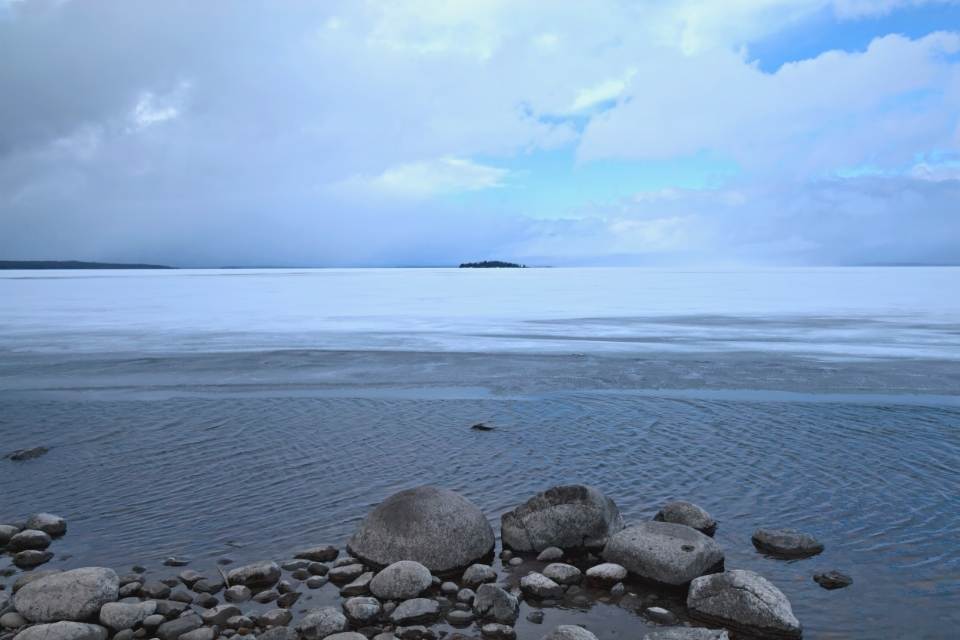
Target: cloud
[[441, 176]]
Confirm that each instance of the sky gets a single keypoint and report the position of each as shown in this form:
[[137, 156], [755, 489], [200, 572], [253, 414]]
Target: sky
[[422, 133]]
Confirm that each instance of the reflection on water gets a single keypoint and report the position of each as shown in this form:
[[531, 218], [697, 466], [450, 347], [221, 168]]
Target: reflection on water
[[258, 477]]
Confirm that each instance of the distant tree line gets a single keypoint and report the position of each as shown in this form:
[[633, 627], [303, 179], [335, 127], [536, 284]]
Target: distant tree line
[[491, 264]]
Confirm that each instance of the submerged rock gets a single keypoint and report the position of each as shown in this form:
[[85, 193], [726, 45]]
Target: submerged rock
[[27, 454], [438, 528], [743, 601], [31, 558], [833, 580], [786, 542], [567, 517], [67, 595], [680, 512], [670, 554], [401, 581]]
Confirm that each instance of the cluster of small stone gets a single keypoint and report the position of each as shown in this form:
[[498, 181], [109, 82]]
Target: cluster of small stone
[[416, 560], [28, 541]]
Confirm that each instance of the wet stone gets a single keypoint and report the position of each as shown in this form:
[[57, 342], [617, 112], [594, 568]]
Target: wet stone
[[660, 615], [497, 631], [833, 580], [315, 582], [563, 573], [786, 543], [320, 553], [239, 593]]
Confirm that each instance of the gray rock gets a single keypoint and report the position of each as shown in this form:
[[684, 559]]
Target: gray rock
[[515, 562], [401, 581], [606, 573], [12, 620], [495, 603], [239, 593], [7, 531], [449, 588], [170, 608], [26, 578], [550, 554], [176, 561], [344, 561], [362, 610], [240, 622], [179, 595], [680, 512], [317, 569], [359, 586], [27, 454], [833, 580], [415, 632], [660, 615], [347, 635], [744, 601], [315, 582], [618, 590], [540, 586], [459, 618], [345, 573], [294, 565], [154, 621], [688, 633], [31, 558], [173, 629], [259, 574], [465, 595], [278, 633], [67, 595], [498, 631], [63, 631], [321, 623], [287, 600], [671, 554], [321, 553], [477, 574], [563, 573], [415, 610], [208, 585], [203, 633], [219, 614], [536, 617], [5, 600], [386, 635], [29, 539], [569, 632], [156, 590], [205, 600], [786, 542], [129, 590], [568, 517], [264, 597], [438, 528], [126, 615]]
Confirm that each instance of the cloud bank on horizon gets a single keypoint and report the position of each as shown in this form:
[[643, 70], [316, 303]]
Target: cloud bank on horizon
[[416, 132]]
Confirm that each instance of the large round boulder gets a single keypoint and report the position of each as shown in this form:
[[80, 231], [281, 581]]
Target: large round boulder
[[743, 601], [67, 595], [569, 517], [438, 528], [671, 554]]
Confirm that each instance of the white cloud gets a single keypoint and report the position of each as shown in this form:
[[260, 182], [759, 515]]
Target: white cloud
[[603, 92], [440, 176]]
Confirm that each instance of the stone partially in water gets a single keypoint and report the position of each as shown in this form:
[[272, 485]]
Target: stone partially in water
[[7, 531], [31, 558], [401, 581], [608, 573], [833, 580], [670, 554], [321, 623], [569, 632], [495, 603], [688, 633], [743, 601], [567, 517], [563, 573], [125, 615], [788, 543], [63, 631], [438, 528], [29, 539], [550, 554], [415, 610], [259, 574], [67, 595], [680, 512], [540, 586], [27, 454], [321, 553], [49, 523]]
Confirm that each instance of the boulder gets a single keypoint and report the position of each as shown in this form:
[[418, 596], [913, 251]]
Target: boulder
[[401, 581], [438, 528], [743, 601], [567, 517], [126, 615], [7, 531], [67, 595], [415, 610], [607, 573], [26, 578], [320, 623], [29, 539], [63, 631], [540, 586], [788, 543], [569, 632], [670, 554], [259, 574], [680, 512], [563, 573], [495, 603], [688, 633]]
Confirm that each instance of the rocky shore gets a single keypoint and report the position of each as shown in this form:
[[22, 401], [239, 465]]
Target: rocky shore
[[419, 568]]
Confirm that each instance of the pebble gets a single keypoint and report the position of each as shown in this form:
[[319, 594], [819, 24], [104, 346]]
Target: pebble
[[833, 580], [465, 595]]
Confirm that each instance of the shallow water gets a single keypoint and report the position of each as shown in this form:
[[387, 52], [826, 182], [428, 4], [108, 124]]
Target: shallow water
[[170, 434]]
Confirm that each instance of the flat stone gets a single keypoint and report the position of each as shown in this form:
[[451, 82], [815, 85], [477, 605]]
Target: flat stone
[[671, 554], [688, 633], [438, 528], [320, 623], [680, 512], [67, 595], [401, 581], [415, 610], [459, 618], [63, 631], [126, 615], [568, 517], [606, 573], [550, 554], [321, 553], [495, 603], [540, 586], [563, 573], [744, 601], [220, 614], [346, 573], [569, 632], [833, 580], [786, 542], [173, 629], [259, 574], [362, 610]]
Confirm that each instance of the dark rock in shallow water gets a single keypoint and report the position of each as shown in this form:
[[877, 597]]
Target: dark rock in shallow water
[[49, 523], [744, 601], [688, 633], [481, 427], [833, 580], [29, 539], [259, 574], [174, 561], [173, 629], [680, 512], [438, 528], [568, 517], [321, 553], [670, 554], [788, 543], [27, 454], [660, 615]]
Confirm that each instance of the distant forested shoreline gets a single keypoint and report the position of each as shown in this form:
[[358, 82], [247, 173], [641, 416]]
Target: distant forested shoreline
[[74, 264]]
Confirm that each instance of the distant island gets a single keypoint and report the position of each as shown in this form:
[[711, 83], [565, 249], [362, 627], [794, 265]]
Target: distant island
[[491, 264], [73, 264]]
